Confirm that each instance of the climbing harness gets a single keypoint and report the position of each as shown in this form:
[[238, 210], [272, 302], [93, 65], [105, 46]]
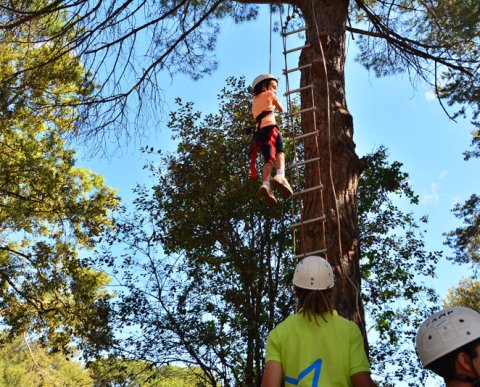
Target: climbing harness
[[259, 141]]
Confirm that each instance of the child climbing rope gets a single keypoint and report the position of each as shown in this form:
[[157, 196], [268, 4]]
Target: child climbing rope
[[268, 137]]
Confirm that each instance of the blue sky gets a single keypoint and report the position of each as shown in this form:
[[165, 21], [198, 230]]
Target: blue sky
[[386, 111]]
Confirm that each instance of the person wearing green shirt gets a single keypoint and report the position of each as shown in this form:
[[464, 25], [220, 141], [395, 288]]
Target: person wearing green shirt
[[315, 346]]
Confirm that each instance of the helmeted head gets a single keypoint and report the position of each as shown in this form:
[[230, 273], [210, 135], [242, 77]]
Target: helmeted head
[[313, 273], [261, 78], [446, 331]]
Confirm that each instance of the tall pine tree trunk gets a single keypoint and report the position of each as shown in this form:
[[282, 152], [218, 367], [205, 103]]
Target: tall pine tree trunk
[[340, 167]]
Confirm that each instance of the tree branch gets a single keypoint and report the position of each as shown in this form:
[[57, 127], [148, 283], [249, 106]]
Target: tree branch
[[40, 370], [406, 44]]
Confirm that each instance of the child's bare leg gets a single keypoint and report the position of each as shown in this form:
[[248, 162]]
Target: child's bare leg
[[279, 180], [267, 172], [280, 161], [265, 189]]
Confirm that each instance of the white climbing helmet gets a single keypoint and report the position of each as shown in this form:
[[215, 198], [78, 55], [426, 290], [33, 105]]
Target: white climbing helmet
[[261, 78], [313, 273], [445, 331]]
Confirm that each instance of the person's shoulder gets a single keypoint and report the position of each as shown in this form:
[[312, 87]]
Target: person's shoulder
[[342, 320], [287, 322], [262, 96], [290, 318]]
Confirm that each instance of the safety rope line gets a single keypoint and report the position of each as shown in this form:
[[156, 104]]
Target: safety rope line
[[294, 143], [270, 57], [329, 128], [345, 271], [294, 138]]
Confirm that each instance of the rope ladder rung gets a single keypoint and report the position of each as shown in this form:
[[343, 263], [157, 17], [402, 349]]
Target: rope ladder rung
[[296, 49], [286, 33], [301, 111], [302, 136], [308, 221], [300, 163], [299, 89], [317, 187], [303, 255], [286, 71]]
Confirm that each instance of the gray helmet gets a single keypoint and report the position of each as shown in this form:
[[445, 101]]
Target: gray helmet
[[313, 273], [446, 331], [261, 78]]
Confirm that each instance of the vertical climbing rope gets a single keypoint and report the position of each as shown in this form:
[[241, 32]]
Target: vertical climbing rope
[[329, 128], [316, 158], [270, 56], [294, 143]]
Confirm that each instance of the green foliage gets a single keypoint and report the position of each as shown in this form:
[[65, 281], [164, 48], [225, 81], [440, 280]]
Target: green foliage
[[124, 372], [50, 210], [36, 84], [438, 40], [466, 293], [475, 145], [32, 366], [393, 263], [459, 22], [226, 278], [465, 240]]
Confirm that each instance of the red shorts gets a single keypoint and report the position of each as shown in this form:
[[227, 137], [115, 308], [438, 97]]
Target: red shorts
[[269, 140]]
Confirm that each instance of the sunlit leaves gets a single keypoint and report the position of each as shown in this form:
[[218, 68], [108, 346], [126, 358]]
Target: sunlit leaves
[[466, 293], [465, 240], [394, 263], [112, 371], [23, 362], [50, 210]]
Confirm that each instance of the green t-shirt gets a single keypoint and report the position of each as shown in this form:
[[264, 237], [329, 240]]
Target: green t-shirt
[[312, 355]]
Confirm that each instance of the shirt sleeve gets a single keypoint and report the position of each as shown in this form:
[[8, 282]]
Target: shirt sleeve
[[358, 357], [272, 351]]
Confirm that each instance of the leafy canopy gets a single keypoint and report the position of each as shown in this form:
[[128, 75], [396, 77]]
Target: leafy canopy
[[466, 293], [49, 209], [25, 363], [465, 240], [206, 267], [436, 40]]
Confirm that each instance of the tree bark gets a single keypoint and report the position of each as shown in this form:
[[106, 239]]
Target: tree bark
[[340, 166]]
